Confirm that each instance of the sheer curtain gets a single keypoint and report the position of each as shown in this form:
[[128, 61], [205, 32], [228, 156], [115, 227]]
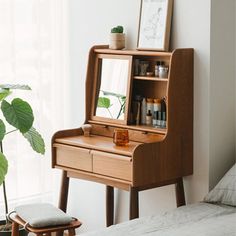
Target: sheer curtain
[[34, 51]]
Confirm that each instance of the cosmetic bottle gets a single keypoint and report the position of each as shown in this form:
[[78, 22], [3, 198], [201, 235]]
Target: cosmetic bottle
[[149, 118]]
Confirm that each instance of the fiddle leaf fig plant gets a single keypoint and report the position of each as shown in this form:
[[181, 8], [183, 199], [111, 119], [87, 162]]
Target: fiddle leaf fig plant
[[18, 115]]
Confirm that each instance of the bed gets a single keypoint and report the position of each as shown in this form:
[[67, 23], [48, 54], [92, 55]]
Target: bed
[[216, 216]]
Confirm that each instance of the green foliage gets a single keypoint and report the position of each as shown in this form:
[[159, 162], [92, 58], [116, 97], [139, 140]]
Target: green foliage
[[17, 113], [117, 29], [104, 102], [35, 140], [3, 167], [2, 130]]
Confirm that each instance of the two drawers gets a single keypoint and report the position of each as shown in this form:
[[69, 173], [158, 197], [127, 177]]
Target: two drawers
[[112, 165]]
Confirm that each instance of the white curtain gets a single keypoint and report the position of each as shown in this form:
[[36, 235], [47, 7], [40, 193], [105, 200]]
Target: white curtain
[[34, 51]]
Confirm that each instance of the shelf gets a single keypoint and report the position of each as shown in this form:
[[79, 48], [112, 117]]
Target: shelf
[[150, 78], [146, 128], [132, 52], [143, 128]]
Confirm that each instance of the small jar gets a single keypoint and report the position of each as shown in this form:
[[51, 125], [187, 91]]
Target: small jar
[[163, 71], [150, 105], [156, 69], [157, 105], [143, 68]]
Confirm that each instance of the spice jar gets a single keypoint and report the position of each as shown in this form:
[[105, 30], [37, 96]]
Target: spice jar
[[163, 71]]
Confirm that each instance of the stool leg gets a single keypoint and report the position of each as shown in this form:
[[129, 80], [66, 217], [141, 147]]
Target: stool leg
[[15, 229], [71, 232]]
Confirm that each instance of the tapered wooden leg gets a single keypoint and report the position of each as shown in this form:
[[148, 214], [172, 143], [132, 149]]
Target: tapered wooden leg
[[179, 193], [109, 205], [63, 195], [134, 203], [15, 229]]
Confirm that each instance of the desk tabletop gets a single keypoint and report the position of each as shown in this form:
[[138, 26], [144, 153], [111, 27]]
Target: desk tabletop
[[99, 143]]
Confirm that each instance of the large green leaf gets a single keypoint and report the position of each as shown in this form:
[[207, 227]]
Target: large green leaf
[[2, 130], [18, 114], [3, 167], [15, 86], [4, 93], [104, 102], [35, 139]]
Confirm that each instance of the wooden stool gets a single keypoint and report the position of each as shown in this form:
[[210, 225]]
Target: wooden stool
[[17, 221]]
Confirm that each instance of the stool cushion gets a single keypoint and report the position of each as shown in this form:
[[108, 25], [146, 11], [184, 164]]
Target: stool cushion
[[42, 215]]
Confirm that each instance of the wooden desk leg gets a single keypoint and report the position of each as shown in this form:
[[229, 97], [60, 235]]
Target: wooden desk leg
[[63, 195], [134, 203], [109, 205], [179, 193]]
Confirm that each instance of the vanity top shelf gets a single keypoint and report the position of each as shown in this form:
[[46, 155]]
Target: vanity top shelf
[[151, 78], [142, 128], [132, 52]]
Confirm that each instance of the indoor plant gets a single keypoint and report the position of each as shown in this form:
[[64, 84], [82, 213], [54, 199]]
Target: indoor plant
[[117, 38], [19, 115]]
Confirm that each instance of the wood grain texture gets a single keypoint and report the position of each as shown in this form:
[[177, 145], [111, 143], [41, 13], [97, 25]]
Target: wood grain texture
[[74, 157], [154, 157], [116, 166], [100, 143]]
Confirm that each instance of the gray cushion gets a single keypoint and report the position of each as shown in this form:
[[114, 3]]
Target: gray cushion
[[225, 191], [42, 215]]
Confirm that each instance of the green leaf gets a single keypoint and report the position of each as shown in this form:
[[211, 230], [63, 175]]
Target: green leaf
[[2, 130], [104, 102], [15, 86], [35, 139], [3, 167], [4, 93], [18, 114], [112, 94]]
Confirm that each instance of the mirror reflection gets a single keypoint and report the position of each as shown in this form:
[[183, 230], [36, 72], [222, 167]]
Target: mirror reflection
[[113, 87]]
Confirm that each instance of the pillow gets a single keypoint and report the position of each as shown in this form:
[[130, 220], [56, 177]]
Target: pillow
[[42, 215], [225, 191]]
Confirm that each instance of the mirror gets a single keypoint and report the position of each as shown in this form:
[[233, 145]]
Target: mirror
[[112, 82]]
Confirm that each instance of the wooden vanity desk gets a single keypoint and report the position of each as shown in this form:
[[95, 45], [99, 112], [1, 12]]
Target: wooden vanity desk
[[154, 156]]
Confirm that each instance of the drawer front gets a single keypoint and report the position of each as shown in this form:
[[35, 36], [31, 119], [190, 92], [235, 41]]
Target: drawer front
[[112, 165], [73, 157]]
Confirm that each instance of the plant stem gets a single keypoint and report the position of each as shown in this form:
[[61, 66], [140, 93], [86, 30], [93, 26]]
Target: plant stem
[[11, 131], [110, 113], [4, 192]]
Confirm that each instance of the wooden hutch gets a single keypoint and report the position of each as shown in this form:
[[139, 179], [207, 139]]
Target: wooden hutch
[[155, 156]]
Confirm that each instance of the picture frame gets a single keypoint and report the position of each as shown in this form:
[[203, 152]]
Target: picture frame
[[154, 25]]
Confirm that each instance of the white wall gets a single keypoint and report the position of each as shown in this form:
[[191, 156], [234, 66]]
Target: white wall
[[90, 23], [222, 89]]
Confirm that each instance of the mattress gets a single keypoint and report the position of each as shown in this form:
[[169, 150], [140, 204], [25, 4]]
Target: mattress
[[192, 220]]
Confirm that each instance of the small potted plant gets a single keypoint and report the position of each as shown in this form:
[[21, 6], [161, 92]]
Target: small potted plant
[[17, 114], [117, 38]]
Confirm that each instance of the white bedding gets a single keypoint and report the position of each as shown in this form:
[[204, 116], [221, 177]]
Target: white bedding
[[201, 219]]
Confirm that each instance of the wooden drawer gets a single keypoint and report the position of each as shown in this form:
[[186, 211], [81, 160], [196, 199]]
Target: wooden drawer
[[73, 157], [116, 166]]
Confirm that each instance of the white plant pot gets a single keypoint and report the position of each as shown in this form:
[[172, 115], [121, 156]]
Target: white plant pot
[[117, 41]]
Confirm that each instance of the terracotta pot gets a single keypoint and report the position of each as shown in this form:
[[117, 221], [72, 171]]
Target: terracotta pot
[[22, 232], [117, 41]]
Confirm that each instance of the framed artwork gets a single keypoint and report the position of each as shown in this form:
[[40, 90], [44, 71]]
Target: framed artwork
[[154, 25]]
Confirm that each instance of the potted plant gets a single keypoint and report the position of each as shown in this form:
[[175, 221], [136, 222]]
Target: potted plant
[[17, 114], [117, 38]]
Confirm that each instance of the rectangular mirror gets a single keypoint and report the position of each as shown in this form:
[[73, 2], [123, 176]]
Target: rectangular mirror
[[112, 88]]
